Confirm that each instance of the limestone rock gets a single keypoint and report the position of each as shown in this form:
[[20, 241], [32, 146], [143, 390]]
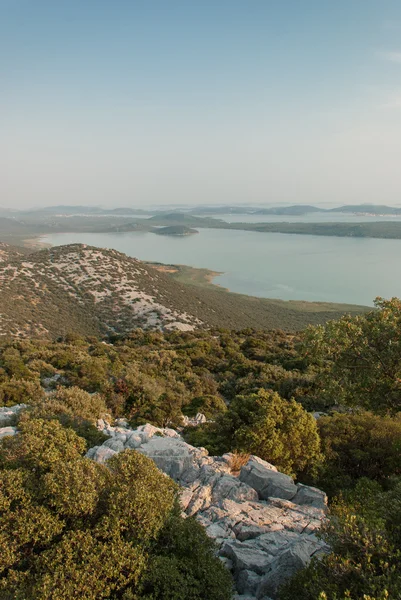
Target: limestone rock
[[170, 455], [102, 454], [268, 483], [7, 413], [248, 582], [310, 496], [298, 555], [262, 523]]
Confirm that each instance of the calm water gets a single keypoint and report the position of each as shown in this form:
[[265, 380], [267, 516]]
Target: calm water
[[270, 265], [309, 218]]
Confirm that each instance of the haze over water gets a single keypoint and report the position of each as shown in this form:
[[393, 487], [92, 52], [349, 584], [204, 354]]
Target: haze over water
[[270, 265]]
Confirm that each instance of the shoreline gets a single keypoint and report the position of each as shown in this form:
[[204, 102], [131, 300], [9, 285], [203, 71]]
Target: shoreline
[[204, 278]]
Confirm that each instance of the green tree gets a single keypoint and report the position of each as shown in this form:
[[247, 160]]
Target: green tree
[[70, 527], [277, 430], [360, 358], [363, 535], [359, 445]]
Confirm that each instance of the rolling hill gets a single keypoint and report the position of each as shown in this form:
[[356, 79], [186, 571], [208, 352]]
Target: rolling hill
[[94, 291]]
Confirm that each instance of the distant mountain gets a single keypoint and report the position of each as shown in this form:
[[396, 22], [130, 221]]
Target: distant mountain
[[177, 218], [296, 209], [372, 209]]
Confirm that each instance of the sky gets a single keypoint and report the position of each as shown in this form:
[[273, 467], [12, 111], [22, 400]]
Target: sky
[[150, 102]]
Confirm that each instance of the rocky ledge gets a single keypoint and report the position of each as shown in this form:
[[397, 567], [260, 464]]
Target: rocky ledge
[[263, 523]]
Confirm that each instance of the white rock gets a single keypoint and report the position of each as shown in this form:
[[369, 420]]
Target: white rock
[[115, 444], [263, 524], [170, 455], [266, 482], [310, 496], [103, 453]]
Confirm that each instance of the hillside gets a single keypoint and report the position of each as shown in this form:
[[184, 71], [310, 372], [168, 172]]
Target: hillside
[[96, 291]]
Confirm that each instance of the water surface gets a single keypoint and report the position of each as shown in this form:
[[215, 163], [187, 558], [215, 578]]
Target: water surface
[[270, 265]]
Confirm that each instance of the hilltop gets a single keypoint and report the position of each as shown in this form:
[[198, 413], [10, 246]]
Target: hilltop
[[95, 291]]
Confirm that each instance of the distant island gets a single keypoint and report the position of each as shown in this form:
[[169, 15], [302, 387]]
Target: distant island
[[22, 227], [179, 230]]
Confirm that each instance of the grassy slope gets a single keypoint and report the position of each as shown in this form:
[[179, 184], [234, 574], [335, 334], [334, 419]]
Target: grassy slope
[[237, 311], [38, 300]]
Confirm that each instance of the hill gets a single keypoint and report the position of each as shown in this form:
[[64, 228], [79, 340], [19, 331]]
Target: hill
[[95, 291]]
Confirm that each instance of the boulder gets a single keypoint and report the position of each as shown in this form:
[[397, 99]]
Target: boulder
[[247, 582], [228, 486], [133, 441], [310, 496], [298, 555], [268, 483], [246, 556], [169, 454], [102, 454], [115, 444]]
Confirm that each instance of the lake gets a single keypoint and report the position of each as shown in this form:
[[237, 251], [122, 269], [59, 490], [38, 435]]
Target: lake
[[270, 265]]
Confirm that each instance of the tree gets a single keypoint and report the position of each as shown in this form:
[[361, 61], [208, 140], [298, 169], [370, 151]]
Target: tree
[[363, 564], [360, 358], [359, 445], [277, 430], [70, 527]]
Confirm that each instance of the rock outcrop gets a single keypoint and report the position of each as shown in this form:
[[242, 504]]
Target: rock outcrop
[[7, 416], [263, 523]]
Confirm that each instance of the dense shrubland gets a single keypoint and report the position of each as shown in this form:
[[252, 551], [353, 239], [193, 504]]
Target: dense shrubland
[[70, 527], [257, 389]]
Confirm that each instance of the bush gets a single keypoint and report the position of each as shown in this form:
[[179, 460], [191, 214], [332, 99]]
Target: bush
[[78, 403], [19, 391], [209, 405], [365, 543], [359, 445], [70, 527], [279, 431]]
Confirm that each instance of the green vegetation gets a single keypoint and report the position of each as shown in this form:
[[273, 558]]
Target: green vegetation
[[73, 528], [257, 388], [40, 297], [364, 563], [359, 358], [175, 230], [277, 430]]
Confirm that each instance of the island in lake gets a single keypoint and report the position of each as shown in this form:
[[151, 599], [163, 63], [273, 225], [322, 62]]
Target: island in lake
[[175, 230]]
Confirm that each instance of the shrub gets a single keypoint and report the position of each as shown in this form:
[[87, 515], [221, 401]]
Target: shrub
[[209, 405], [359, 445], [277, 430], [364, 562], [70, 527], [19, 391], [78, 403]]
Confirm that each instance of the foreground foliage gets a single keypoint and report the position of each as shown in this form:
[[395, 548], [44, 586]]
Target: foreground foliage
[[277, 430], [364, 536], [70, 527], [256, 389]]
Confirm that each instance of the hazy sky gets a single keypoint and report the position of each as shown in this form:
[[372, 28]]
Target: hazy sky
[[137, 102]]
